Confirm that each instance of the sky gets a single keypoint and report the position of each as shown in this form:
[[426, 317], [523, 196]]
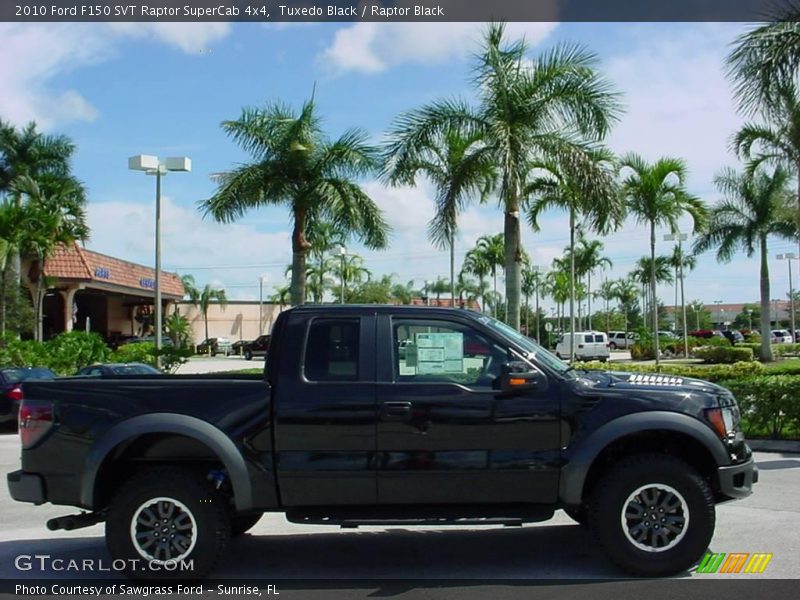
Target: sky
[[120, 89]]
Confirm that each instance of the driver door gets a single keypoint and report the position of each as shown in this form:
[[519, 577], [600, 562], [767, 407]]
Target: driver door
[[446, 433]]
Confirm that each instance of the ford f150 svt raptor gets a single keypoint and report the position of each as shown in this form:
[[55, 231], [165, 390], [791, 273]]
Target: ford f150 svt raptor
[[346, 429]]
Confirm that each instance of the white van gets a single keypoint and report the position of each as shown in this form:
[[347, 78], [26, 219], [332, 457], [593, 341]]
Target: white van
[[589, 345]]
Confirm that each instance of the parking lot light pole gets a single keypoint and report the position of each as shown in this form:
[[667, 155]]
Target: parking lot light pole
[[718, 302], [789, 257], [152, 165], [750, 319]]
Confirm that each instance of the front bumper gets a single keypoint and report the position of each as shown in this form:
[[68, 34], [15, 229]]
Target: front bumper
[[26, 487], [737, 481]]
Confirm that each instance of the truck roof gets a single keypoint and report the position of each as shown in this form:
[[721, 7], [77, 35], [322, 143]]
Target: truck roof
[[381, 308]]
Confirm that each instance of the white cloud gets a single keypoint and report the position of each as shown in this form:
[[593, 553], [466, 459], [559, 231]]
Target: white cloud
[[375, 47], [34, 55], [237, 252]]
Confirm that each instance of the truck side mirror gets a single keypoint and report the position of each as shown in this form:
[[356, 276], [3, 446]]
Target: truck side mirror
[[518, 376]]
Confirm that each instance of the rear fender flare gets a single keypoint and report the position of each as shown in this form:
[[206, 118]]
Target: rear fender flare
[[169, 423]]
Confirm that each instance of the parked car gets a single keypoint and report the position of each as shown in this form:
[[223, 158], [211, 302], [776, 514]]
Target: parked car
[[214, 346], [618, 340], [780, 336], [706, 333], [733, 336], [589, 345], [331, 434], [238, 346], [11, 379], [258, 347], [151, 339], [669, 335], [112, 369]]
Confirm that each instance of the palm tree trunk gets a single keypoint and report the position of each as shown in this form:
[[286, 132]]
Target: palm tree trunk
[[300, 248], [40, 291], [527, 312], [3, 299], [453, 271], [589, 298], [205, 320], [675, 313], [766, 347], [513, 270], [321, 290], [537, 311], [653, 288], [494, 297], [572, 285]]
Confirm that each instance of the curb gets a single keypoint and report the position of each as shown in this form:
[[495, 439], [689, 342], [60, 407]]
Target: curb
[[774, 445]]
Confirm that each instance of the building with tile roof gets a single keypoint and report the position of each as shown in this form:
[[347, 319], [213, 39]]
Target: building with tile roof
[[87, 290]]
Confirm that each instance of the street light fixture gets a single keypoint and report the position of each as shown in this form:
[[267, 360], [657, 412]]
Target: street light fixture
[[152, 165], [681, 237], [789, 257], [750, 318]]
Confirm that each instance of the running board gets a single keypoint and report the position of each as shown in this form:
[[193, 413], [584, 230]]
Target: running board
[[352, 517]]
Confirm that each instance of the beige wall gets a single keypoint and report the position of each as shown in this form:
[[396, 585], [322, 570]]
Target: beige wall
[[235, 321], [119, 316]]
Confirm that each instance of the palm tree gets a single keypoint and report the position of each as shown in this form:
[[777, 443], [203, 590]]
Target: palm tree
[[778, 141], [606, 293], [295, 165], [625, 291], [656, 196], [439, 287], [458, 165], [583, 185], [752, 209], [766, 58], [531, 281], [697, 307], [681, 262], [643, 272], [527, 111], [588, 258], [492, 249], [13, 223], [55, 216], [350, 270], [281, 296], [557, 286], [476, 263], [202, 298], [403, 293], [324, 237]]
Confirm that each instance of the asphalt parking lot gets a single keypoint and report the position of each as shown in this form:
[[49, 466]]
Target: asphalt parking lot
[[768, 521]]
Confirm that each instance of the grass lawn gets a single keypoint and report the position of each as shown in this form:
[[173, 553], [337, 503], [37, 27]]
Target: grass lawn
[[789, 365]]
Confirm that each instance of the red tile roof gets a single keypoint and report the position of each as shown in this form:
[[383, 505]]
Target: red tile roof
[[75, 262], [445, 303]]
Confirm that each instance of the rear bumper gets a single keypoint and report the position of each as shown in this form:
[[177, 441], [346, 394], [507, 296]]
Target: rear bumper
[[26, 487], [737, 481]]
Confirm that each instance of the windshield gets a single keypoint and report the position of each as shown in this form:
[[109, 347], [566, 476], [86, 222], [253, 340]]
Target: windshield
[[535, 351], [22, 374]]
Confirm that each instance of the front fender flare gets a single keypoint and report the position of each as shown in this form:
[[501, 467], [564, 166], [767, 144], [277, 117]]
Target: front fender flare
[[573, 474], [170, 423]]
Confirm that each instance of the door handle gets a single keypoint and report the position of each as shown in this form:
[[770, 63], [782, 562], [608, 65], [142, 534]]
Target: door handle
[[395, 411]]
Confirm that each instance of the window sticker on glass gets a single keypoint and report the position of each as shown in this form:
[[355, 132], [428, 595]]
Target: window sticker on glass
[[439, 353]]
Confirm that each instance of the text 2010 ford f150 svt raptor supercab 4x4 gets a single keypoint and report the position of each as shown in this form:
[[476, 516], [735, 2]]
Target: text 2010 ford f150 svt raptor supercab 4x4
[[345, 429]]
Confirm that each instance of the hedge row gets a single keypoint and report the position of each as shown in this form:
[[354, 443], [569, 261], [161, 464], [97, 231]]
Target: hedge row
[[724, 355], [68, 352], [770, 405], [713, 373]]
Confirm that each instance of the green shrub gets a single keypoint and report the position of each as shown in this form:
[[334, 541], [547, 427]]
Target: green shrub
[[769, 404], [64, 354], [675, 347], [640, 351], [142, 352], [724, 355], [754, 346], [785, 349], [715, 342]]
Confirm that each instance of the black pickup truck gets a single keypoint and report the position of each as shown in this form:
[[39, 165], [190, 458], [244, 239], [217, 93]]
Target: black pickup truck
[[345, 429]]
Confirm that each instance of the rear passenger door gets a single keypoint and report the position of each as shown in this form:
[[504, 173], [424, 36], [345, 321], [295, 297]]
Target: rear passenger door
[[325, 413]]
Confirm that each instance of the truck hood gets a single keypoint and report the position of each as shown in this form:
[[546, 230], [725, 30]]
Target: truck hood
[[649, 382]]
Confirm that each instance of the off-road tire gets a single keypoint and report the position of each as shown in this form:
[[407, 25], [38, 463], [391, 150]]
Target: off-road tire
[[206, 506], [611, 496], [241, 524]]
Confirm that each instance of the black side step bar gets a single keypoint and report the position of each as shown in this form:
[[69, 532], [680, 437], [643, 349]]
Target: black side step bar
[[351, 517]]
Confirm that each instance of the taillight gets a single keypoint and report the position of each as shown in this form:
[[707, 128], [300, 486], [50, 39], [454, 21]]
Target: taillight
[[15, 394], [35, 419]]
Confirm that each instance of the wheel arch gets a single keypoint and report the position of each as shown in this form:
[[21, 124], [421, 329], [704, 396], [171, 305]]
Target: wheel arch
[[677, 433], [104, 452]]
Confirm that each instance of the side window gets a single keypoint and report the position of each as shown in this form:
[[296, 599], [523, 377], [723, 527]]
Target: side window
[[332, 350], [442, 351], [588, 339]]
